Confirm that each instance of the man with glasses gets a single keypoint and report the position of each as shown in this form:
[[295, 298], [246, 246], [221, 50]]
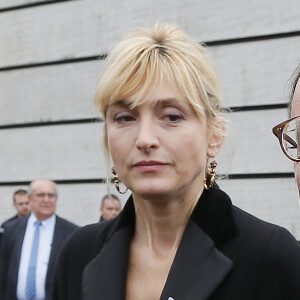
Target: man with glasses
[[288, 132], [30, 247]]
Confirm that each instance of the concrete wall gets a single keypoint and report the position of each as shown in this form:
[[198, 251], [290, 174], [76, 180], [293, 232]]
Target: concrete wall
[[52, 53]]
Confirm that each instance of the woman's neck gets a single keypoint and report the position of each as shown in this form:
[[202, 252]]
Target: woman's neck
[[160, 223]]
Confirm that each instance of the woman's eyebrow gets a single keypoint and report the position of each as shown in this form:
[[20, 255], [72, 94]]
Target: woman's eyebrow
[[165, 101], [160, 102], [170, 102], [121, 103]]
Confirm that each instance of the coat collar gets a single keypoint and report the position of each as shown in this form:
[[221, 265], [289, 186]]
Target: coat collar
[[213, 213], [198, 268]]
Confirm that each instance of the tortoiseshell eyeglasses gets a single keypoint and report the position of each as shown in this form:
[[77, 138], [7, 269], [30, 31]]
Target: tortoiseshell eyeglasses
[[288, 134]]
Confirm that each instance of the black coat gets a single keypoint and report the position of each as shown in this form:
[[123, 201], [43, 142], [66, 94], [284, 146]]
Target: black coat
[[7, 222], [11, 252], [224, 253]]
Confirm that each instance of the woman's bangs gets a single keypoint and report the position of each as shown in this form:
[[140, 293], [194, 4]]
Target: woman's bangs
[[153, 73], [184, 82]]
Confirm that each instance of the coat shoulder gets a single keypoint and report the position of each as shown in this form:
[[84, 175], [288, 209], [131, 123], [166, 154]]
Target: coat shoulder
[[9, 221], [65, 223], [84, 244], [268, 252], [259, 230], [264, 235], [80, 249], [90, 235]]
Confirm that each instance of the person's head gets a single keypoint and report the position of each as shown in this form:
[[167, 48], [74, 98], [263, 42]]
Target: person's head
[[288, 132], [21, 202], [295, 111], [42, 197], [294, 94], [110, 207], [159, 93]]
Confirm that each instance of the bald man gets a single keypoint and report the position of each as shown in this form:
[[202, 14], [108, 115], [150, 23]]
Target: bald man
[[31, 246]]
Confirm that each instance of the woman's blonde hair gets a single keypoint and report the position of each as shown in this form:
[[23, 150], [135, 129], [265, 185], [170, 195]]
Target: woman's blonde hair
[[162, 52]]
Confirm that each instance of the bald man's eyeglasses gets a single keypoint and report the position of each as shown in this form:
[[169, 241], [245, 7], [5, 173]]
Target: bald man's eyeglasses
[[288, 134]]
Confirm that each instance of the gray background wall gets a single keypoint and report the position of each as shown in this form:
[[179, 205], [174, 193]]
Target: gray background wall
[[51, 53]]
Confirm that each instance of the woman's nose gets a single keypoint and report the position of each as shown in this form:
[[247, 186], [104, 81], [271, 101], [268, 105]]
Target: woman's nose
[[147, 138]]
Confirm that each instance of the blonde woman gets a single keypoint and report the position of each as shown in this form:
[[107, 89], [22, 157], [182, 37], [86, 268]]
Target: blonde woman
[[179, 236]]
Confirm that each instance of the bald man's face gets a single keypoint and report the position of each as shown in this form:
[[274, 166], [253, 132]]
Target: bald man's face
[[43, 199], [295, 111]]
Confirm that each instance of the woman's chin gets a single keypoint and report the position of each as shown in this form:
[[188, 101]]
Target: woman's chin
[[152, 193]]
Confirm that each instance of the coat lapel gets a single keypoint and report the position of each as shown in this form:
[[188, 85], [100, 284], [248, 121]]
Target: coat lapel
[[106, 274], [58, 239], [198, 267], [20, 232]]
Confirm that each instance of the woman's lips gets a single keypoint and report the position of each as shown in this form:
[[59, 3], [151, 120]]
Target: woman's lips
[[149, 166]]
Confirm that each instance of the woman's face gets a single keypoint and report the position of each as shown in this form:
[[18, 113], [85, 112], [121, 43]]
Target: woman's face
[[160, 147]]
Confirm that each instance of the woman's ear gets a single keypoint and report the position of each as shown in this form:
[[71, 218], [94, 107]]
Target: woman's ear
[[216, 140]]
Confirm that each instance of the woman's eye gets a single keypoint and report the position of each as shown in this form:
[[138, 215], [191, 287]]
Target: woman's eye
[[173, 117], [123, 118]]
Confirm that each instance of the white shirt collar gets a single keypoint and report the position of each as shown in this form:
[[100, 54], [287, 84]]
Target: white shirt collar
[[32, 219]]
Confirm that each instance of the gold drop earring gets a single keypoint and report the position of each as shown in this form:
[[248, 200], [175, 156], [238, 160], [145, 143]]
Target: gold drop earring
[[116, 182], [210, 175]]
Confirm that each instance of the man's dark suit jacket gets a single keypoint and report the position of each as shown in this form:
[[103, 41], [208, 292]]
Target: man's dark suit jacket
[[224, 253], [5, 224], [11, 251], [12, 219]]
